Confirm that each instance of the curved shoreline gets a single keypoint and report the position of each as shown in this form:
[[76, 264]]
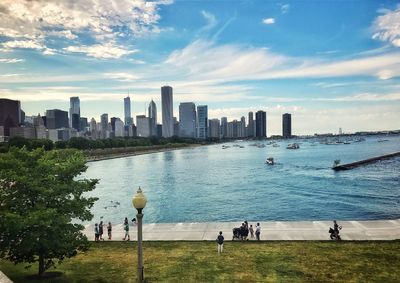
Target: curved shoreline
[[374, 230]]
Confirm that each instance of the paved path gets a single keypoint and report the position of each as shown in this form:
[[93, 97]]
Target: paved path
[[279, 230]]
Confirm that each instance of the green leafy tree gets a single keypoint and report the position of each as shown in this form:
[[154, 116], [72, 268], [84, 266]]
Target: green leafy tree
[[39, 200]]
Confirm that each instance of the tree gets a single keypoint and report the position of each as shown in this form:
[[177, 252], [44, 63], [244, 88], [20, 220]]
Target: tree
[[39, 200]]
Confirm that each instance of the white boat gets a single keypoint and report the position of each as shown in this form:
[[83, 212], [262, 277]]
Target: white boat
[[293, 146], [270, 161]]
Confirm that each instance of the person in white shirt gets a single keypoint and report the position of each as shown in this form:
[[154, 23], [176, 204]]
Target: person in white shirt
[[258, 231]]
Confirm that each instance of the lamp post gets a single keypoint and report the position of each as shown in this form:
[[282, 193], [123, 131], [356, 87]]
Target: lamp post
[[139, 202]]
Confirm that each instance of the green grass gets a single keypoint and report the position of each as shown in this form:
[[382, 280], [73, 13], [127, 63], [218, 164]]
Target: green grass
[[240, 262]]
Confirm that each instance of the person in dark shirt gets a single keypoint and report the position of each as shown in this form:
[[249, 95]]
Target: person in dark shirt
[[220, 241]]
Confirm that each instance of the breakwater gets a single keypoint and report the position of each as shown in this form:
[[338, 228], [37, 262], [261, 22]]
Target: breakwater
[[356, 164]]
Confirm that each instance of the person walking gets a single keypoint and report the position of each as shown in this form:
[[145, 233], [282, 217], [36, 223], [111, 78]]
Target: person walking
[[258, 231], [251, 232], [336, 229], [101, 231], [126, 221], [126, 228], [220, 241], [96, 233], [109, 230]]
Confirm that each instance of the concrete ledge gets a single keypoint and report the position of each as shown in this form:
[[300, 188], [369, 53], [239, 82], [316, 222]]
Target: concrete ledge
[[384, 230], [4, 278]]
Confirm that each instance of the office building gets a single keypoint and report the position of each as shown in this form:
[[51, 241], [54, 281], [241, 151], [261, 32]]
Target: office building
[[214, 128], [202, 121], [56, 119], [167, 111], [25, 132], [261, 124], [119, 128], [152, 110], [127, 110], [10, 114], [74, 112], [242, 128], [83, 124], [286, 126], [224, 127], [250, 126], [187, 120], [142, 126], [93, 129], [104, 132]]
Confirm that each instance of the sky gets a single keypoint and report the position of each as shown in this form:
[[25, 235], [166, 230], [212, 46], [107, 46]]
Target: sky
[[331, 64]]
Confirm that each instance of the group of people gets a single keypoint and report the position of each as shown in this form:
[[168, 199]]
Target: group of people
[[99, 230], [243, 231]]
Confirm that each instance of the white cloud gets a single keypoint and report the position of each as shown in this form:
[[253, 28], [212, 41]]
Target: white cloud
[[211, 20], [387, 27], [101, 51], [30, 24], [11, 60], [269, 21], [363, 97], [121, 76], [285, 8]]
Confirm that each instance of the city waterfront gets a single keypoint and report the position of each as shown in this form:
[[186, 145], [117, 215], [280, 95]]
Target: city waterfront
[[208, 183]]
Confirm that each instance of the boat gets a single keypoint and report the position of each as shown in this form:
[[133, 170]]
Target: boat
[[270, 161], [293, 146], [276, 145], [225, 146], [261, 145]]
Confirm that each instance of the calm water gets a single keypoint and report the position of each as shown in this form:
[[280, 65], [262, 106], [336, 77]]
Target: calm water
[[209, 183]]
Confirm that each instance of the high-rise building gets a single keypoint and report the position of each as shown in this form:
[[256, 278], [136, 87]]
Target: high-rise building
[[242, 128], [83, 124], [152, 110], [74, 112], [142, 126], [214, 128], [286, 126], [10, 114], [202, 121], [176, 127], [261, 124], [187, 120], [250, 126], [104, 132], [56, 119], [127, 111], [167, 111], [93, 129], [224, 127], [119, 130]]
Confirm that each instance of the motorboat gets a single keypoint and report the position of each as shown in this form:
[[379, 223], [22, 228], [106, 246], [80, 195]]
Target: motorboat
[[270, 161], [293, 146], [225, 146]]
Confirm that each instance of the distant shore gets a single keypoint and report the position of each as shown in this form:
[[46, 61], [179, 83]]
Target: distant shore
[[105, 154]]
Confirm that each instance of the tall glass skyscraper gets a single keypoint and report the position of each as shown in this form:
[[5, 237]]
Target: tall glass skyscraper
[[261, 124], [287, 126], [202, 121], [153, 118], [250, 126], [127, 110], [187, 120], [167, 112], [74, 112]]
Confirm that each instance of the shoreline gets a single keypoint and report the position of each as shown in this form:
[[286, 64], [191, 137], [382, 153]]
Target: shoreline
[[102, 157]]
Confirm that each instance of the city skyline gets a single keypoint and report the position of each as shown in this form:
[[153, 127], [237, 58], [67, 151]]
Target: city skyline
[[328, 65]]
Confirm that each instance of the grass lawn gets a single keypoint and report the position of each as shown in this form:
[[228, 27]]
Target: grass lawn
[[241, 262]]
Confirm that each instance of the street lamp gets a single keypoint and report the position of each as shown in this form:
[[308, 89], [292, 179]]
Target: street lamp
[[139, 202]]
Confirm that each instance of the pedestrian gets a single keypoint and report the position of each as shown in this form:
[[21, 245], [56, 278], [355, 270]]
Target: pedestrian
[[251, 232], [336, 229], [126, 228], [126, 221], [134, 221], [101, 231], [242, 231], [220, 241], [96, 233], [109, 230], [258, 231], [246, 230]]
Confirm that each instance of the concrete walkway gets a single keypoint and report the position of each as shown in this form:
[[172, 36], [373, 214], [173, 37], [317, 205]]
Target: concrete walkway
[[280, 230]]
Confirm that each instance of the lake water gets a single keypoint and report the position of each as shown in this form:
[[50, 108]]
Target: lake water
[[208, 183]]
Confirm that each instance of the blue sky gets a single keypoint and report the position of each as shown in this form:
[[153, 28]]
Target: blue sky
[[330, 63]]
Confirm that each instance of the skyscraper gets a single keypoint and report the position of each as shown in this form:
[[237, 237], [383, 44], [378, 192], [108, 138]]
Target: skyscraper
[[10, 114], [74, 112], [202, 121], [287, 126], [142, 126], [127, 110], [214, 128], [56, 119], [261, 124], [153, 118], [250, 126], [224, 127], [187, 120], [167, 112], [104, 133]]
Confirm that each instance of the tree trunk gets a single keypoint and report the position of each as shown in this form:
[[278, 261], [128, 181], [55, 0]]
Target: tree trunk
[[41, 265]]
